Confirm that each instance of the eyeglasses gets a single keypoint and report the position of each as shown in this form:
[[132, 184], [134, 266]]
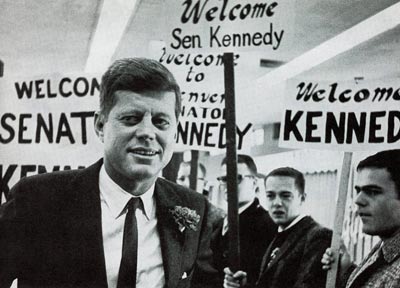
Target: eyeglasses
[[240, 177]]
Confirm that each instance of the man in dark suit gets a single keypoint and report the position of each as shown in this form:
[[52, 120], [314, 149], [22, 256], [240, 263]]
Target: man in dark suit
[[293, 257], [255, 225], [114, 224]]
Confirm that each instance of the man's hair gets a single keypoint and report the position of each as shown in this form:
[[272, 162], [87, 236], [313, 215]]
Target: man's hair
[[137, 75], [389, 160], [245, 159], [299, 180]]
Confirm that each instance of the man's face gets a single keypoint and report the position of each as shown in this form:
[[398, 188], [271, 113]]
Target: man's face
[[283, 199], [138, 135], [378, 203], [246, 187], [183, 178]]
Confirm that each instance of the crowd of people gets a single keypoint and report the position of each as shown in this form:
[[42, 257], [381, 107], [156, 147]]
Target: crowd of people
[[118, 224]]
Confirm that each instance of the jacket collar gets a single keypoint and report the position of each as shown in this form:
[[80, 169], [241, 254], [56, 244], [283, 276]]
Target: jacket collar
[[85, 215], [295, 233], [391, 247]]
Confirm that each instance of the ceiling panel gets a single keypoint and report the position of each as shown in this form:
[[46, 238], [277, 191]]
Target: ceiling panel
[[45, 36]]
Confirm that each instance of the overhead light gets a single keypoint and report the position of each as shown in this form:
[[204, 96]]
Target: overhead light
[[269, 63], [111, 25], [359, 33]]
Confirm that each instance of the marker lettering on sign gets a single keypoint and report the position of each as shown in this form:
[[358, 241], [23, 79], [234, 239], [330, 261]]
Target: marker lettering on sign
[[185, 41], [270, 37], [203, 112], [55, 129], [310, 92], [204, 97], [208, 134], [342, 127], [195, 11], [10, 171], [342, 116], [65, 87], [188, 59]]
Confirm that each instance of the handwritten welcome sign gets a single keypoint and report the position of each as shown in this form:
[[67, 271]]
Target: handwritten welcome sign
[[342, 115], [202, 120], [202, 123], [46, 124], [227, 25]]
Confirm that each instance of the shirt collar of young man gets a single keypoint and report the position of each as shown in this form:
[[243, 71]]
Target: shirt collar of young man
[[294, 222]]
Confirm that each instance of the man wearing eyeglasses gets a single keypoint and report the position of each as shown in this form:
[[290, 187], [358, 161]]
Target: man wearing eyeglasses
[[256, 227], [293, 257]]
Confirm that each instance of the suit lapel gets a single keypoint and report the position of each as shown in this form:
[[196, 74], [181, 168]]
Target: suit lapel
[[265, 259], [292, 239], [172, 240], [84, 228]]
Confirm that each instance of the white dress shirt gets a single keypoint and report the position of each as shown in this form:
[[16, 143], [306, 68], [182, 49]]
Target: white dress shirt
[[294, 222], [113, 198]]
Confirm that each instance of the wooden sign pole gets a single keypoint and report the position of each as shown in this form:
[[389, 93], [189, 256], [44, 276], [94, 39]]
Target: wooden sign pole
[[339, 217], [231, 163], [194, 170], [1, 70]]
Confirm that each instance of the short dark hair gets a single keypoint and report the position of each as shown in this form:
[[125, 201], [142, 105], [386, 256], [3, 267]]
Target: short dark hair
[[299, 180], [245, 159], [137, 75], [389, 160]]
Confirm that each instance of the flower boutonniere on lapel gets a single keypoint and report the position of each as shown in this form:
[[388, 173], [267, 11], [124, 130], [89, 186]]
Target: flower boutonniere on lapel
[[185, 218]]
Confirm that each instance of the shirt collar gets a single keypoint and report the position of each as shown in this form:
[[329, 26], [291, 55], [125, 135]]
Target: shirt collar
[[244, 207], [391, 247], [116, 198], [294, 222]]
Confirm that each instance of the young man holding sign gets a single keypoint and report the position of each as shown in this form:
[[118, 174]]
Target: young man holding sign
[[293, 257], [378, 205]]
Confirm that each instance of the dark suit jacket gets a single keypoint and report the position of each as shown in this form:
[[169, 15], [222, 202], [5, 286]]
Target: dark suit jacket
[[256, 230], [298, 263], [51, 233]]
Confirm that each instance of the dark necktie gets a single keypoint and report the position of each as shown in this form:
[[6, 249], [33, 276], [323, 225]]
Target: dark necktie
[[271, 253], [127, 269], [276, 245]]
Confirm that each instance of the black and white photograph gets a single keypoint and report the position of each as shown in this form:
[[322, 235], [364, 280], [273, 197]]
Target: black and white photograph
[[200, 143]]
